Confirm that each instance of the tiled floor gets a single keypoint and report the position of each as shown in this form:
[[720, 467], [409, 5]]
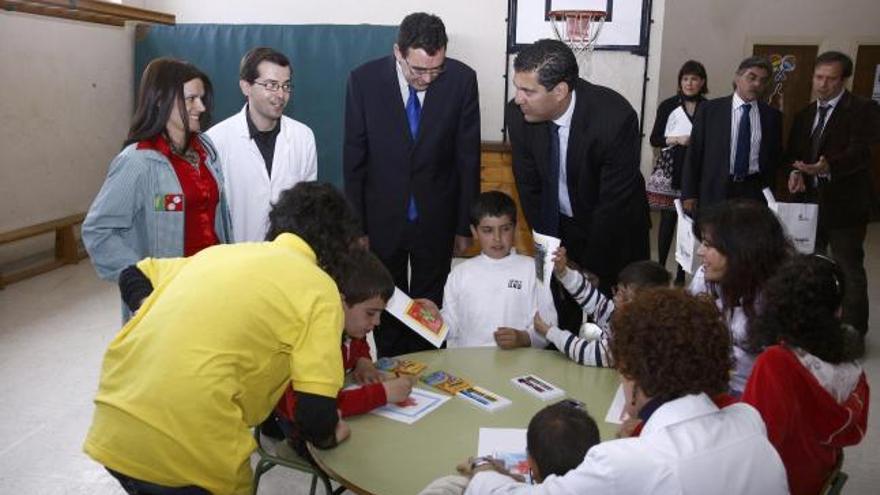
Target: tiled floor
[[53, 332]]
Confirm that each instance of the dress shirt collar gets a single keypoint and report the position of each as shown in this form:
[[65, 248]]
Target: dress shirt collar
[[738, 102], [404, 85], [679, 410], [832, 102], [565, 119]]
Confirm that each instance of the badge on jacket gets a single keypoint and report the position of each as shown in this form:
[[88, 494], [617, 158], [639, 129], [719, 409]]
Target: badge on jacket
[[169, 202]]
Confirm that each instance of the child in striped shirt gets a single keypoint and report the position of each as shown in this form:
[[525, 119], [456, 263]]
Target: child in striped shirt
[[591, 347]]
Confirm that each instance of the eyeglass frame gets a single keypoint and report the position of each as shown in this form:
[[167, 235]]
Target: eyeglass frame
[[274, 86], [424, 71]]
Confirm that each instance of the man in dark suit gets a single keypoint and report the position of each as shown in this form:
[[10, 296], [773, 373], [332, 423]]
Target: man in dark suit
[[731, 156], [830, 157], [576, 162], [412, 163]]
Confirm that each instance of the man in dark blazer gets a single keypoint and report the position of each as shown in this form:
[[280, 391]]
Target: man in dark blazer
[[576, 162], [411, 163], [830, 159], [730, 156]]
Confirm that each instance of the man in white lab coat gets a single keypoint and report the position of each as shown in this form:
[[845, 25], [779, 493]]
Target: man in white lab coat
[[262, 151]]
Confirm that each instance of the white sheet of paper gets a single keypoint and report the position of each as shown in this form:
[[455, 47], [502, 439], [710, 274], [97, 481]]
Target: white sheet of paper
[[545, 246], [398, 305], [494, 440], [421, 404], [616, 413]]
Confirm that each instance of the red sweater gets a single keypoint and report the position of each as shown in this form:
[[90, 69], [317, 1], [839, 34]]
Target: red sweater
[[349, 402], [804, 422]]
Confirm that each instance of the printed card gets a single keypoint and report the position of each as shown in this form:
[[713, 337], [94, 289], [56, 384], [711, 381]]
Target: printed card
[[538, 387], [400, 366], [418, 405], [417, 317], [482, 398], [545, 246], [444, 381]]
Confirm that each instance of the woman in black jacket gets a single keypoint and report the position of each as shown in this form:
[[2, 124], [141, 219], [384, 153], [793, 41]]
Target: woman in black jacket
[[671, 135]]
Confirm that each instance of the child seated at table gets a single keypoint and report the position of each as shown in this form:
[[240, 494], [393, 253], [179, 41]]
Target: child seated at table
[[557, 440], [491, 299], [366, 287], [591, 347]]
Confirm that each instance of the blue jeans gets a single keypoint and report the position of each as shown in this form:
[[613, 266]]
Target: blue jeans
[[139, 487]]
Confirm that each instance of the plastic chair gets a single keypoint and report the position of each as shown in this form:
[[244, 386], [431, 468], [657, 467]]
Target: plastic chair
[[285, 456]]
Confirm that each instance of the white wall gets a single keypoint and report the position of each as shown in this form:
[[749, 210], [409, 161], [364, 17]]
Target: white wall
[[721, 33], [476, 28], [64, 111]]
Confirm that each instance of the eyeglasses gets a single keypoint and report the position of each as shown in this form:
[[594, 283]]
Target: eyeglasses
[[275, 86], [423, 71]]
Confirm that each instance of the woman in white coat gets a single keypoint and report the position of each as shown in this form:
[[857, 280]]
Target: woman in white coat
[[673, 355]]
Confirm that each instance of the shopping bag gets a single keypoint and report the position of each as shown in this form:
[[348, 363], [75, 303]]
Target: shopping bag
[[685, 242], [799, 221]]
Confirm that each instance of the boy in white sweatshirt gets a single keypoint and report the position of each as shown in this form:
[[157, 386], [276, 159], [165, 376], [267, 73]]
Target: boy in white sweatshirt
[[491, 299]]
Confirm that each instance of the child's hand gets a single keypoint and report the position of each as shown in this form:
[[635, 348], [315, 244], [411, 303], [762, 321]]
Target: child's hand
[[541, 326], [366, 372], [628, 427], [398, 389], [511, 338], [343, 431], [560, 262]]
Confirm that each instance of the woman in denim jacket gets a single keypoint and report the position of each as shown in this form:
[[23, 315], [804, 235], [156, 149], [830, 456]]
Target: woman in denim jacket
[[163, 195]]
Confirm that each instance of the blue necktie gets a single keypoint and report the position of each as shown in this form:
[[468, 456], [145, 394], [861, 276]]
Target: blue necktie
[[743, 143], [550, 198], [414, 116]]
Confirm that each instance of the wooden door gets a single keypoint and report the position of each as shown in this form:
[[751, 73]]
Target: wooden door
[[865, 77]]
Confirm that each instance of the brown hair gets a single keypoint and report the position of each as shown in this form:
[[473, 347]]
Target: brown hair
[[160, 93], [672, 344]]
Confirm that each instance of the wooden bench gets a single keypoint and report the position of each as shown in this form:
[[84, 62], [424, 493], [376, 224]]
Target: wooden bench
[[66, 247]]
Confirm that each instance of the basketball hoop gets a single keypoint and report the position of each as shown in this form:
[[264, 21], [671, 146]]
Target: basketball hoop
[[579, 29]]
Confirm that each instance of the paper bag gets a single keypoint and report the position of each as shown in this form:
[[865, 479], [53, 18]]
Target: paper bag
[[799, 221], [685, 242]]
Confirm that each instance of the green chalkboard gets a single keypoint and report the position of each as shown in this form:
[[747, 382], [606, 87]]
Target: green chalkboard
[[321, 55]]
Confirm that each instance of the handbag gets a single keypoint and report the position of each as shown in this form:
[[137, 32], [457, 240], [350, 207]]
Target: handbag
[[659, 183]]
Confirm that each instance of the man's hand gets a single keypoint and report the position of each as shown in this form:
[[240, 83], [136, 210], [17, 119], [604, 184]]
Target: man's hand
[[820, 167], [398, 389], [560, 262], [461, 245], [511, 338], [690, 206], [541, 326], [796, 182], [365, 372]]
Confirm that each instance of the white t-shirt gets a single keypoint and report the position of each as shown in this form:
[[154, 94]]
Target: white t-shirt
[[483, 294]]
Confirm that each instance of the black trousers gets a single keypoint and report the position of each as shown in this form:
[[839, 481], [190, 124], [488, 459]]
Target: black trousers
[[429, 265], [750, 187], [848, 249]]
